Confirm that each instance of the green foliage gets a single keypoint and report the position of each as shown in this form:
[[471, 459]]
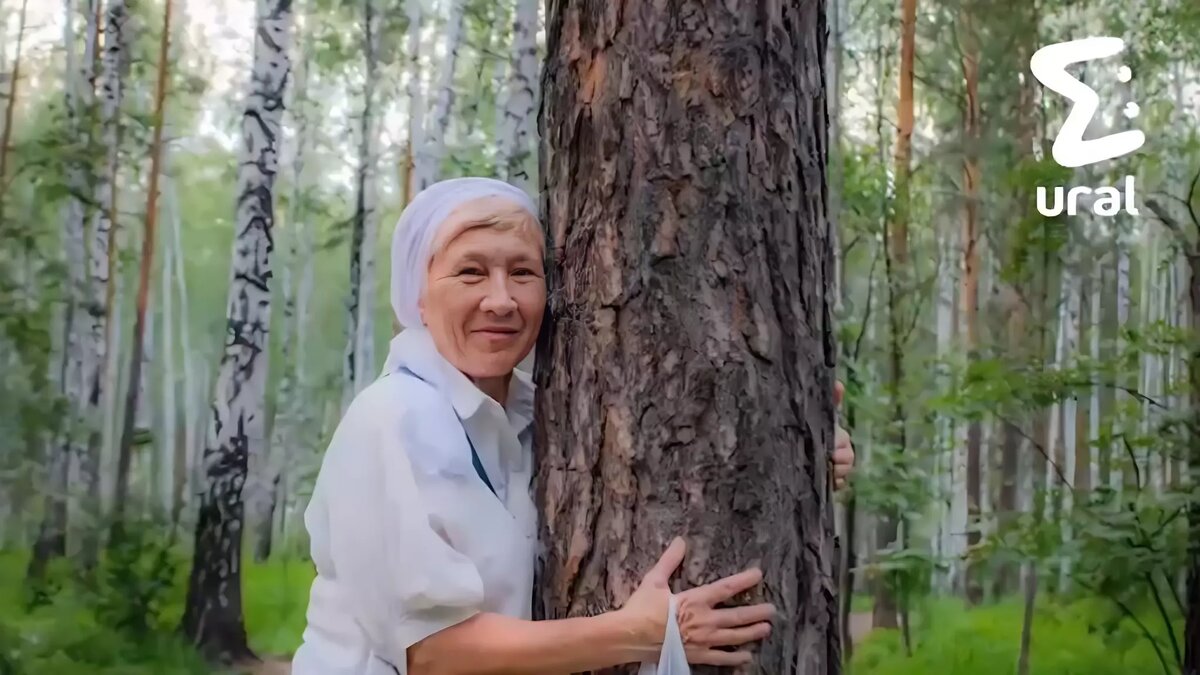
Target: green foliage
[[125, 623], [1075, 639]]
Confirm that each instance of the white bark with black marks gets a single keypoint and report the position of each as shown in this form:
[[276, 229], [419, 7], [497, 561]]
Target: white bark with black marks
[[433, 150], [518, 135], [99, 362], [213, 613]]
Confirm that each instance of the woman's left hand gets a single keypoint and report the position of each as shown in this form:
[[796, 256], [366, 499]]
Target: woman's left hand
[[843, 449]]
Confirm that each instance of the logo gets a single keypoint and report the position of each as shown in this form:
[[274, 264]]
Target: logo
[[1070, 149]]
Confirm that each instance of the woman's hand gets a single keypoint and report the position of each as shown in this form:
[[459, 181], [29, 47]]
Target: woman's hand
[[703, 626], [843, 449]]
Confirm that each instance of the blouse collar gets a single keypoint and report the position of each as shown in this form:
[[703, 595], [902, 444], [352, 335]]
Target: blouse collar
[[414, 349]]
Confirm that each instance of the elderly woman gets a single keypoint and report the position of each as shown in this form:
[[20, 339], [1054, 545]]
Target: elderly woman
[[422, 527]]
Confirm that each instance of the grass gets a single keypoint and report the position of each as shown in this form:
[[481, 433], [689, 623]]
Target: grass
[[75, 633], [1080, 638]]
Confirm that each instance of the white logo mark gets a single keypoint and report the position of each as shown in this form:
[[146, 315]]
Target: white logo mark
[[1049, 66]]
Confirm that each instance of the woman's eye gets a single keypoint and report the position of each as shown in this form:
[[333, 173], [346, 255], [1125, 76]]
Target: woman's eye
[[522, 272], [470, 271]]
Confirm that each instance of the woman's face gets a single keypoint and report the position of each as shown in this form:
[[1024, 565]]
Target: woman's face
[[485, 293]]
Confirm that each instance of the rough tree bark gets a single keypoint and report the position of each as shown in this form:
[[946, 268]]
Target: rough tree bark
[[212, 617], [685, 381]]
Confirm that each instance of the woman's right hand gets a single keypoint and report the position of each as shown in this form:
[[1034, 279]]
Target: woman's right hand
[[704, 627]]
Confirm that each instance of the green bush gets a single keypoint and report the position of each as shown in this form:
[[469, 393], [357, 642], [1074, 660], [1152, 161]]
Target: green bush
[[126, 623]]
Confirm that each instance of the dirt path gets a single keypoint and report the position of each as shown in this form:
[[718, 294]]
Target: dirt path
[[861, 624]]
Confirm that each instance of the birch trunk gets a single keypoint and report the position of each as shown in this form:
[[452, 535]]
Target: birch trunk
[[1095, 319], [518, 137], [434, 147], [948, 538], [288, 407], [1149, 466], [185, 475], [1116, 461], [1054, 433], [101, 349], [212, 617], [1070, 332], [79, 82], [359, 363]]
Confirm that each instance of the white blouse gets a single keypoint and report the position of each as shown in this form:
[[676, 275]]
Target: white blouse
[[406, 537]]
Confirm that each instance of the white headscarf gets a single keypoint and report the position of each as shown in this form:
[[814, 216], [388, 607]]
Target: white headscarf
[[412, 240]]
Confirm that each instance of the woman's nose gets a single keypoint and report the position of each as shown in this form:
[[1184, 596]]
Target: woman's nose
[[498, 298]]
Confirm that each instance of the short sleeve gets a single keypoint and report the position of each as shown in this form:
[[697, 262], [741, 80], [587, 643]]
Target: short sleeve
[[404, 581]]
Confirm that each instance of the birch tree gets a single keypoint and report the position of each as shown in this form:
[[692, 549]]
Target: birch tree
[[517, 135], [359, 364], [79, 83], [101, 352], [212, 617], [433, 147]]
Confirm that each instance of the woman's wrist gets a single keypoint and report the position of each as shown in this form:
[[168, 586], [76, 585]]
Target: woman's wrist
[[637, 638]]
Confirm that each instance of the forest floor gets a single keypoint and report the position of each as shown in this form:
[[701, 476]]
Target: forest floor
[[861, 624]]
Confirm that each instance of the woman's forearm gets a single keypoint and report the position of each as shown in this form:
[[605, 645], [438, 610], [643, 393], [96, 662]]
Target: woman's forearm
[[492, 644]]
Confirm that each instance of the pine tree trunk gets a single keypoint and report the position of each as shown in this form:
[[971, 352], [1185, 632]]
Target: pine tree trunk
[[143, 292], [887, 610], [969, 297], [13, 96], [685, 380], [212, 617], [518, 135]]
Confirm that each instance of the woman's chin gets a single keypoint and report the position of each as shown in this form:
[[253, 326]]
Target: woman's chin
[[493, 364]]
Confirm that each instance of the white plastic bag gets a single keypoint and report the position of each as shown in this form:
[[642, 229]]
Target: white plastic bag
[[672, 660]]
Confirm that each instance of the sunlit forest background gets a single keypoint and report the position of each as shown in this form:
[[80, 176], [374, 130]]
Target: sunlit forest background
[[1023, 391]]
